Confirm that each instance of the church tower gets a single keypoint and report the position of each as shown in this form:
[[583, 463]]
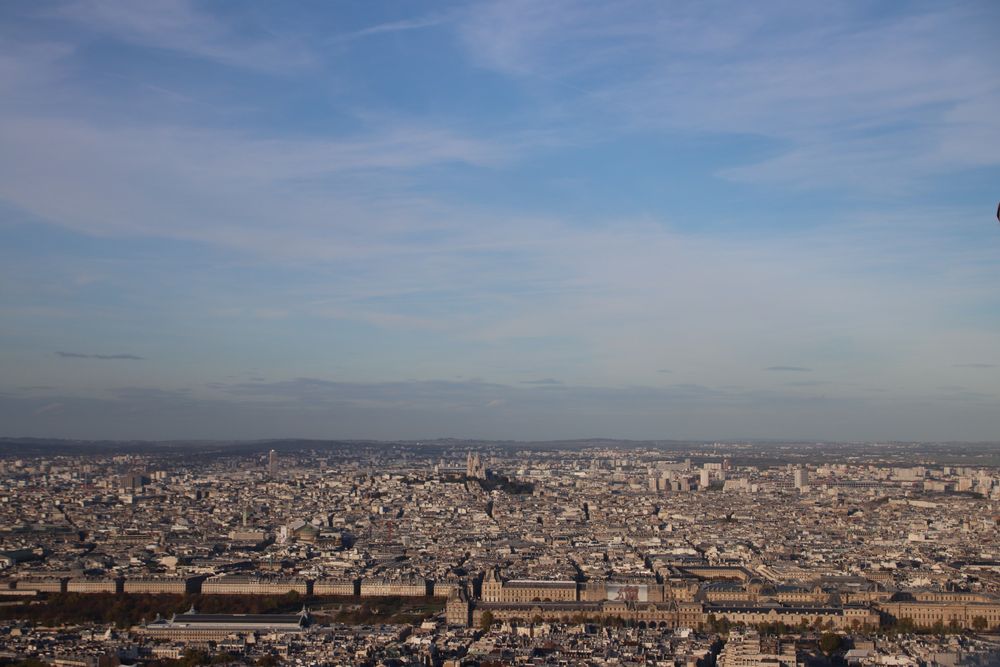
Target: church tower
[[475, 468]]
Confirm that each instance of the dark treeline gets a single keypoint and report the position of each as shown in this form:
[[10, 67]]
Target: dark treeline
[[125, 609]]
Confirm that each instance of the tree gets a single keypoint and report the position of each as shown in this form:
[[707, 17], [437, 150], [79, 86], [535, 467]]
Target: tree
[[486, 620], [830, 643], [194, 657], [979, 623]]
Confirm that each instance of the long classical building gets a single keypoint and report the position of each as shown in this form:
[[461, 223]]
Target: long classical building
[[838, 617], [414, 587], [639, 589], [927, 614], [527, 590], [95, 585], [335, 587], [176, 585], [192, 626], [739, 599], [229, 584], [666, 614], [652, 614], [705, 594], [52, 584]]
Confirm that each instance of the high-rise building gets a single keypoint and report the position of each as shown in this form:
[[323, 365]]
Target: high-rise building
[[134, 480], [801, 478], [272, 463]]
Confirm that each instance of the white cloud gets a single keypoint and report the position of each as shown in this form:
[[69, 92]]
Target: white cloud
[[868, 104], [178, 25], [411, 263], [46, 409], [394, 26], [220, 187]]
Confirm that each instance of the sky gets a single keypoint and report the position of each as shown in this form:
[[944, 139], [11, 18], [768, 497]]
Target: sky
[[511, 220]]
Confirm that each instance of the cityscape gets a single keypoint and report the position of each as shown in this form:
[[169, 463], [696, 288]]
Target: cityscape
[[490, 553], [476, 333]]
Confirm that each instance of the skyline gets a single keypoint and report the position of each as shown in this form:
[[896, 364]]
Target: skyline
[[502, 221]]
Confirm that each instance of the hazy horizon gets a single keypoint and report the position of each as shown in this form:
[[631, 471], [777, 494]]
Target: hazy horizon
[[506, 221]]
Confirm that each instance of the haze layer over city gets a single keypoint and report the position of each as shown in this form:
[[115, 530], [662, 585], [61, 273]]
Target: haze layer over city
[[463, 334]]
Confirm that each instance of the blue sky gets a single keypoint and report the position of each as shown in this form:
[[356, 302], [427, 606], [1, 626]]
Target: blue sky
[[504, 220]]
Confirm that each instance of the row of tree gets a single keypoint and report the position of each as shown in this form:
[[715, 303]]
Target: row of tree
[[125, 609]]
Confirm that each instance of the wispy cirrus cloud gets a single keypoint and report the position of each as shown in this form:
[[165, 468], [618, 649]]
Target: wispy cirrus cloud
[[835, 121], [390, 27], [29, 66], [181, 26], [103, 357], [246, 182], [46, 409]]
